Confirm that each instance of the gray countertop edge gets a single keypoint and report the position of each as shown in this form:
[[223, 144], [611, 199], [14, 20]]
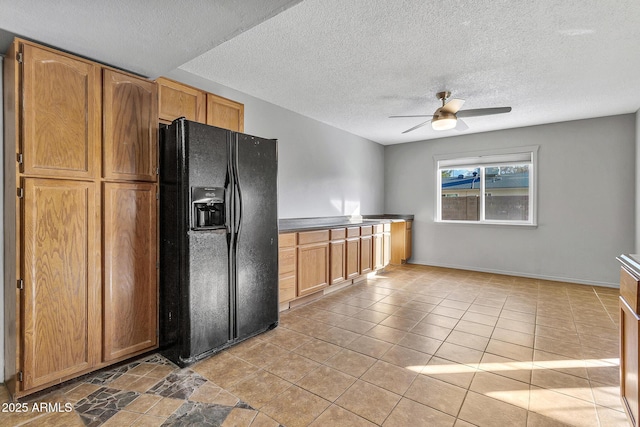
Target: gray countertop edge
[[631, 262], [320, 223]]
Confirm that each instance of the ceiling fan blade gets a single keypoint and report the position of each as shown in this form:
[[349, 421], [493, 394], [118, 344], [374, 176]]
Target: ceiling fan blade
[[483, 112], [420, 115], [417, 126], [461, 125], [452, 106]]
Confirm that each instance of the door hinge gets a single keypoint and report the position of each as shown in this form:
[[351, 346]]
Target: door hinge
[[157, 171], [20, 376], [20, 193], [19, 158], [20, 284], [19, 57]]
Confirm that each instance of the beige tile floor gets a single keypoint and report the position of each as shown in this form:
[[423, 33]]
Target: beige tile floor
[[414, 346]]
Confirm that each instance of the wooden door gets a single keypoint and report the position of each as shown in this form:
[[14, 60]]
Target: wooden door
[[130, 276], [629, 344], [61, 298], [338, 255], [407, 240], [313, 268], [225, 113], [352, 258], [366, 254], [378, 251], [130, 127], [178, 100], [386, 247], [61, 115]]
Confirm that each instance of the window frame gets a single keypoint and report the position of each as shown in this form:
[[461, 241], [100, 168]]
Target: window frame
[[483, 159]]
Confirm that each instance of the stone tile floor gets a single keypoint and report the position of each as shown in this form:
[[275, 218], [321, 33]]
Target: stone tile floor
[[413, 346]]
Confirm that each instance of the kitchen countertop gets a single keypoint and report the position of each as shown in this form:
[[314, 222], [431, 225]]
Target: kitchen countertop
[[289, 225], [631, 262]]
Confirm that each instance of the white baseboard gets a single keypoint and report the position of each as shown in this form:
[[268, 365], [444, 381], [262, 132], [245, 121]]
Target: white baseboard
[[520, 274]]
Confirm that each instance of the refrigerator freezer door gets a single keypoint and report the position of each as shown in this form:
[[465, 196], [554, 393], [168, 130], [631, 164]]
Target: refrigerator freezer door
[[257, 239]]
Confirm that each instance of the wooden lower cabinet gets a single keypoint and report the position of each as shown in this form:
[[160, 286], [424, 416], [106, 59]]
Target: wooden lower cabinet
[[401, 241], [338, 256], [386, 243], [352, 261], [130, 273], [378, 247], [287, 267], [313, 268], [313, 261], [629, 344], [61, 308], [366, 249], [366, 254]]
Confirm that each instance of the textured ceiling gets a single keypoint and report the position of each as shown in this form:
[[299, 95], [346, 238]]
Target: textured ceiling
[[148, 37], [352, 63]]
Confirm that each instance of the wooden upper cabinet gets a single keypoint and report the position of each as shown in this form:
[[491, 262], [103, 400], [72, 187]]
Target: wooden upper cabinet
[[61, 114], [61, 297], [225, 113], [179, 100], [130, 114], [130, 276]]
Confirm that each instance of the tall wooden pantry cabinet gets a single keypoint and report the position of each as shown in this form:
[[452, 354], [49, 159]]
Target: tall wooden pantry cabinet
[[80, 199]]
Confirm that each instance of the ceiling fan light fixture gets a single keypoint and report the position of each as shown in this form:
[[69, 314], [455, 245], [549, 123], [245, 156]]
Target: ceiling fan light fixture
[[444, 121]]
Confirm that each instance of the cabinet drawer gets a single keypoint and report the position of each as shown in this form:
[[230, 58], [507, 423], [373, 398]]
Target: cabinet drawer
[[387, 228], [378, 228], [287, 261], [353, 232], [338, 233], [366, 230], [287, 287], [409, 225], [307, 237], [629, 289], [286, 240]]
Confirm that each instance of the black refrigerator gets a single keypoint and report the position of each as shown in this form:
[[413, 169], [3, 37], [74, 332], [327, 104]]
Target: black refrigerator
[[218, 239]]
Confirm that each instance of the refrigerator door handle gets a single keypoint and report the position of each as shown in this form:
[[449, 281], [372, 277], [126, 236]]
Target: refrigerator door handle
[[238, 192]]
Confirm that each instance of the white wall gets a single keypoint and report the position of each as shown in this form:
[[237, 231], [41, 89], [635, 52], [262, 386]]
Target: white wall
[[637, 205], [586, 207], [322, 171]]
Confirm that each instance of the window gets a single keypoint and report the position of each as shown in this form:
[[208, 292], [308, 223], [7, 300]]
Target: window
[[495, 187]]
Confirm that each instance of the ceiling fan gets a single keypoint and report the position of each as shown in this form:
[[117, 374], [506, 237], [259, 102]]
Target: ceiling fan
[[449, 115]]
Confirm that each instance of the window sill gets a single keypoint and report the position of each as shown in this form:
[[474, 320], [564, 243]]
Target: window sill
[[492, 223]]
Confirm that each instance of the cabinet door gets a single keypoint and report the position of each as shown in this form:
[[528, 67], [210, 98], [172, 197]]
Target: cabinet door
[[353, 258], [61, 115], [386, 251], [130, 127], [61, 299], [378, 251], [287, 273], [313, 268], [407, 240], [225, 113], [366, 254], [629, 385], [338, 261], [130, 276], [177, 100]]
